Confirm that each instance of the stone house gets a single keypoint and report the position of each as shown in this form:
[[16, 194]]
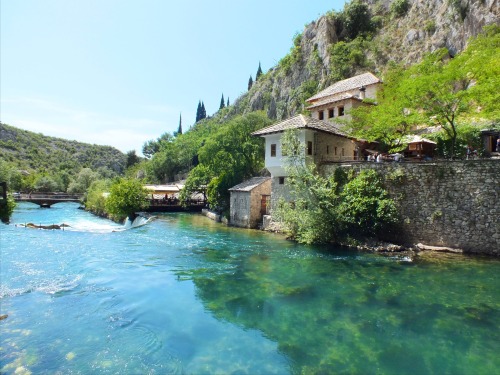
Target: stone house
[[321, 133], [336, 101], [323, 142], [249, 202]]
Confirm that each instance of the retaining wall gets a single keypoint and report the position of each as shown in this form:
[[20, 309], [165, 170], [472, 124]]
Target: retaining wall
[[453, 204]]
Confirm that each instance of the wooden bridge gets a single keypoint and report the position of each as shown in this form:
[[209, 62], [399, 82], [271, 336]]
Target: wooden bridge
[[46, 200]]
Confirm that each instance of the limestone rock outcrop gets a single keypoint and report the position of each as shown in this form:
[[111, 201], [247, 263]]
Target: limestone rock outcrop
[[426, 26]]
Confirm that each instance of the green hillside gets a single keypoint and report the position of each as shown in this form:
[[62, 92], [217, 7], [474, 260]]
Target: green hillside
[[26, 156]]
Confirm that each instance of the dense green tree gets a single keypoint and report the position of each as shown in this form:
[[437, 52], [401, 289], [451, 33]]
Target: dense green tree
[[179, 129], [259, 73], [227, 104], [132, 159], [392, 118], [196, 183], [229, 156], [126, 197], [250, 83], [83, 181], [165, 163], [357, 19], [399, 7], [46, 184], [203, 111], [347, 57], [95, 201], [332, 208], [7, 208], [10, 175], [150, 148], [439, 91], [198, 112], [222, 102]]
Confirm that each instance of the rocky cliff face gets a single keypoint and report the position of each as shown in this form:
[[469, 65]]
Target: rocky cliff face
[[425, 26], [432, 24]]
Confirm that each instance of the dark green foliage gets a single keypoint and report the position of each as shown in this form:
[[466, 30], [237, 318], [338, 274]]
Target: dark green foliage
[[229, 155], [127, 196], [132, 158], [46, 184], [332, 208], [329, 210], [400, 7], [198, 112], [250, 83], [365, 206], [222, 102], [357, 19], [201, 113], [348, 57], [227, 105], [179, 129], [150, 148], [7, 208], [259, 73]]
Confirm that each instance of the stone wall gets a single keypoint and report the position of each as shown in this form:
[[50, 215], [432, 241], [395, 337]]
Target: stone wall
[[245, 207], [453, 204], [279, 191]]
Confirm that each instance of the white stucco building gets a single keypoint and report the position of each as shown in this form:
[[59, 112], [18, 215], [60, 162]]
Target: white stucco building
[[336, 101]]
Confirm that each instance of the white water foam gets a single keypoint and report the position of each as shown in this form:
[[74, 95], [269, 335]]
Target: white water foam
[[139, 221], [85, 225], [48, 286]]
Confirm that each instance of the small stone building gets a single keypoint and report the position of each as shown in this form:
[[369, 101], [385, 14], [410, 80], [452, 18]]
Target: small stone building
[[249, 201], [490, 138]]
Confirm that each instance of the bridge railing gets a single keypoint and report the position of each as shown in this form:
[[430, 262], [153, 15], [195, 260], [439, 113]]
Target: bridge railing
[[48, 196]]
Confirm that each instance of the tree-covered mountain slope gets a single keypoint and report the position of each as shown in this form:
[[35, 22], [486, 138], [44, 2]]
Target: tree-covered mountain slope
[[36, 152]]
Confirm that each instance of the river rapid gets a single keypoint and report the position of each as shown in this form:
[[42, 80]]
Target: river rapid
[[184, 295]]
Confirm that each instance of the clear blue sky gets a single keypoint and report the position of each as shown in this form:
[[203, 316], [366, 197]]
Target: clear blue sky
[[119, 72]]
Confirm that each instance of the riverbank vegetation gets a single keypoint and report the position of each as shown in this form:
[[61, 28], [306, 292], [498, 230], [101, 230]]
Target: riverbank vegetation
[[334, 208], [7, 208], [118, 199]]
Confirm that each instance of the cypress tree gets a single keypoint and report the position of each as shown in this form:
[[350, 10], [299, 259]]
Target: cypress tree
[[222, 104], [198, 112], [227, 105], [250, 83], [259, 73], [179, 131], [203, 112]]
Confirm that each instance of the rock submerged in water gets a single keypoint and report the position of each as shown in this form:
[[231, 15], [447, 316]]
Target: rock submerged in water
[[50, 227], [4, 316]]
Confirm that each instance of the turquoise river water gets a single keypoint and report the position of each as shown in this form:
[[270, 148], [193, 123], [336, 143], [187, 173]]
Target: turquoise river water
[[185, 295]]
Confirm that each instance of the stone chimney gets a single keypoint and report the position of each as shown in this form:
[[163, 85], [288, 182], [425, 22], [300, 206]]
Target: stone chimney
[[362, 90]]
